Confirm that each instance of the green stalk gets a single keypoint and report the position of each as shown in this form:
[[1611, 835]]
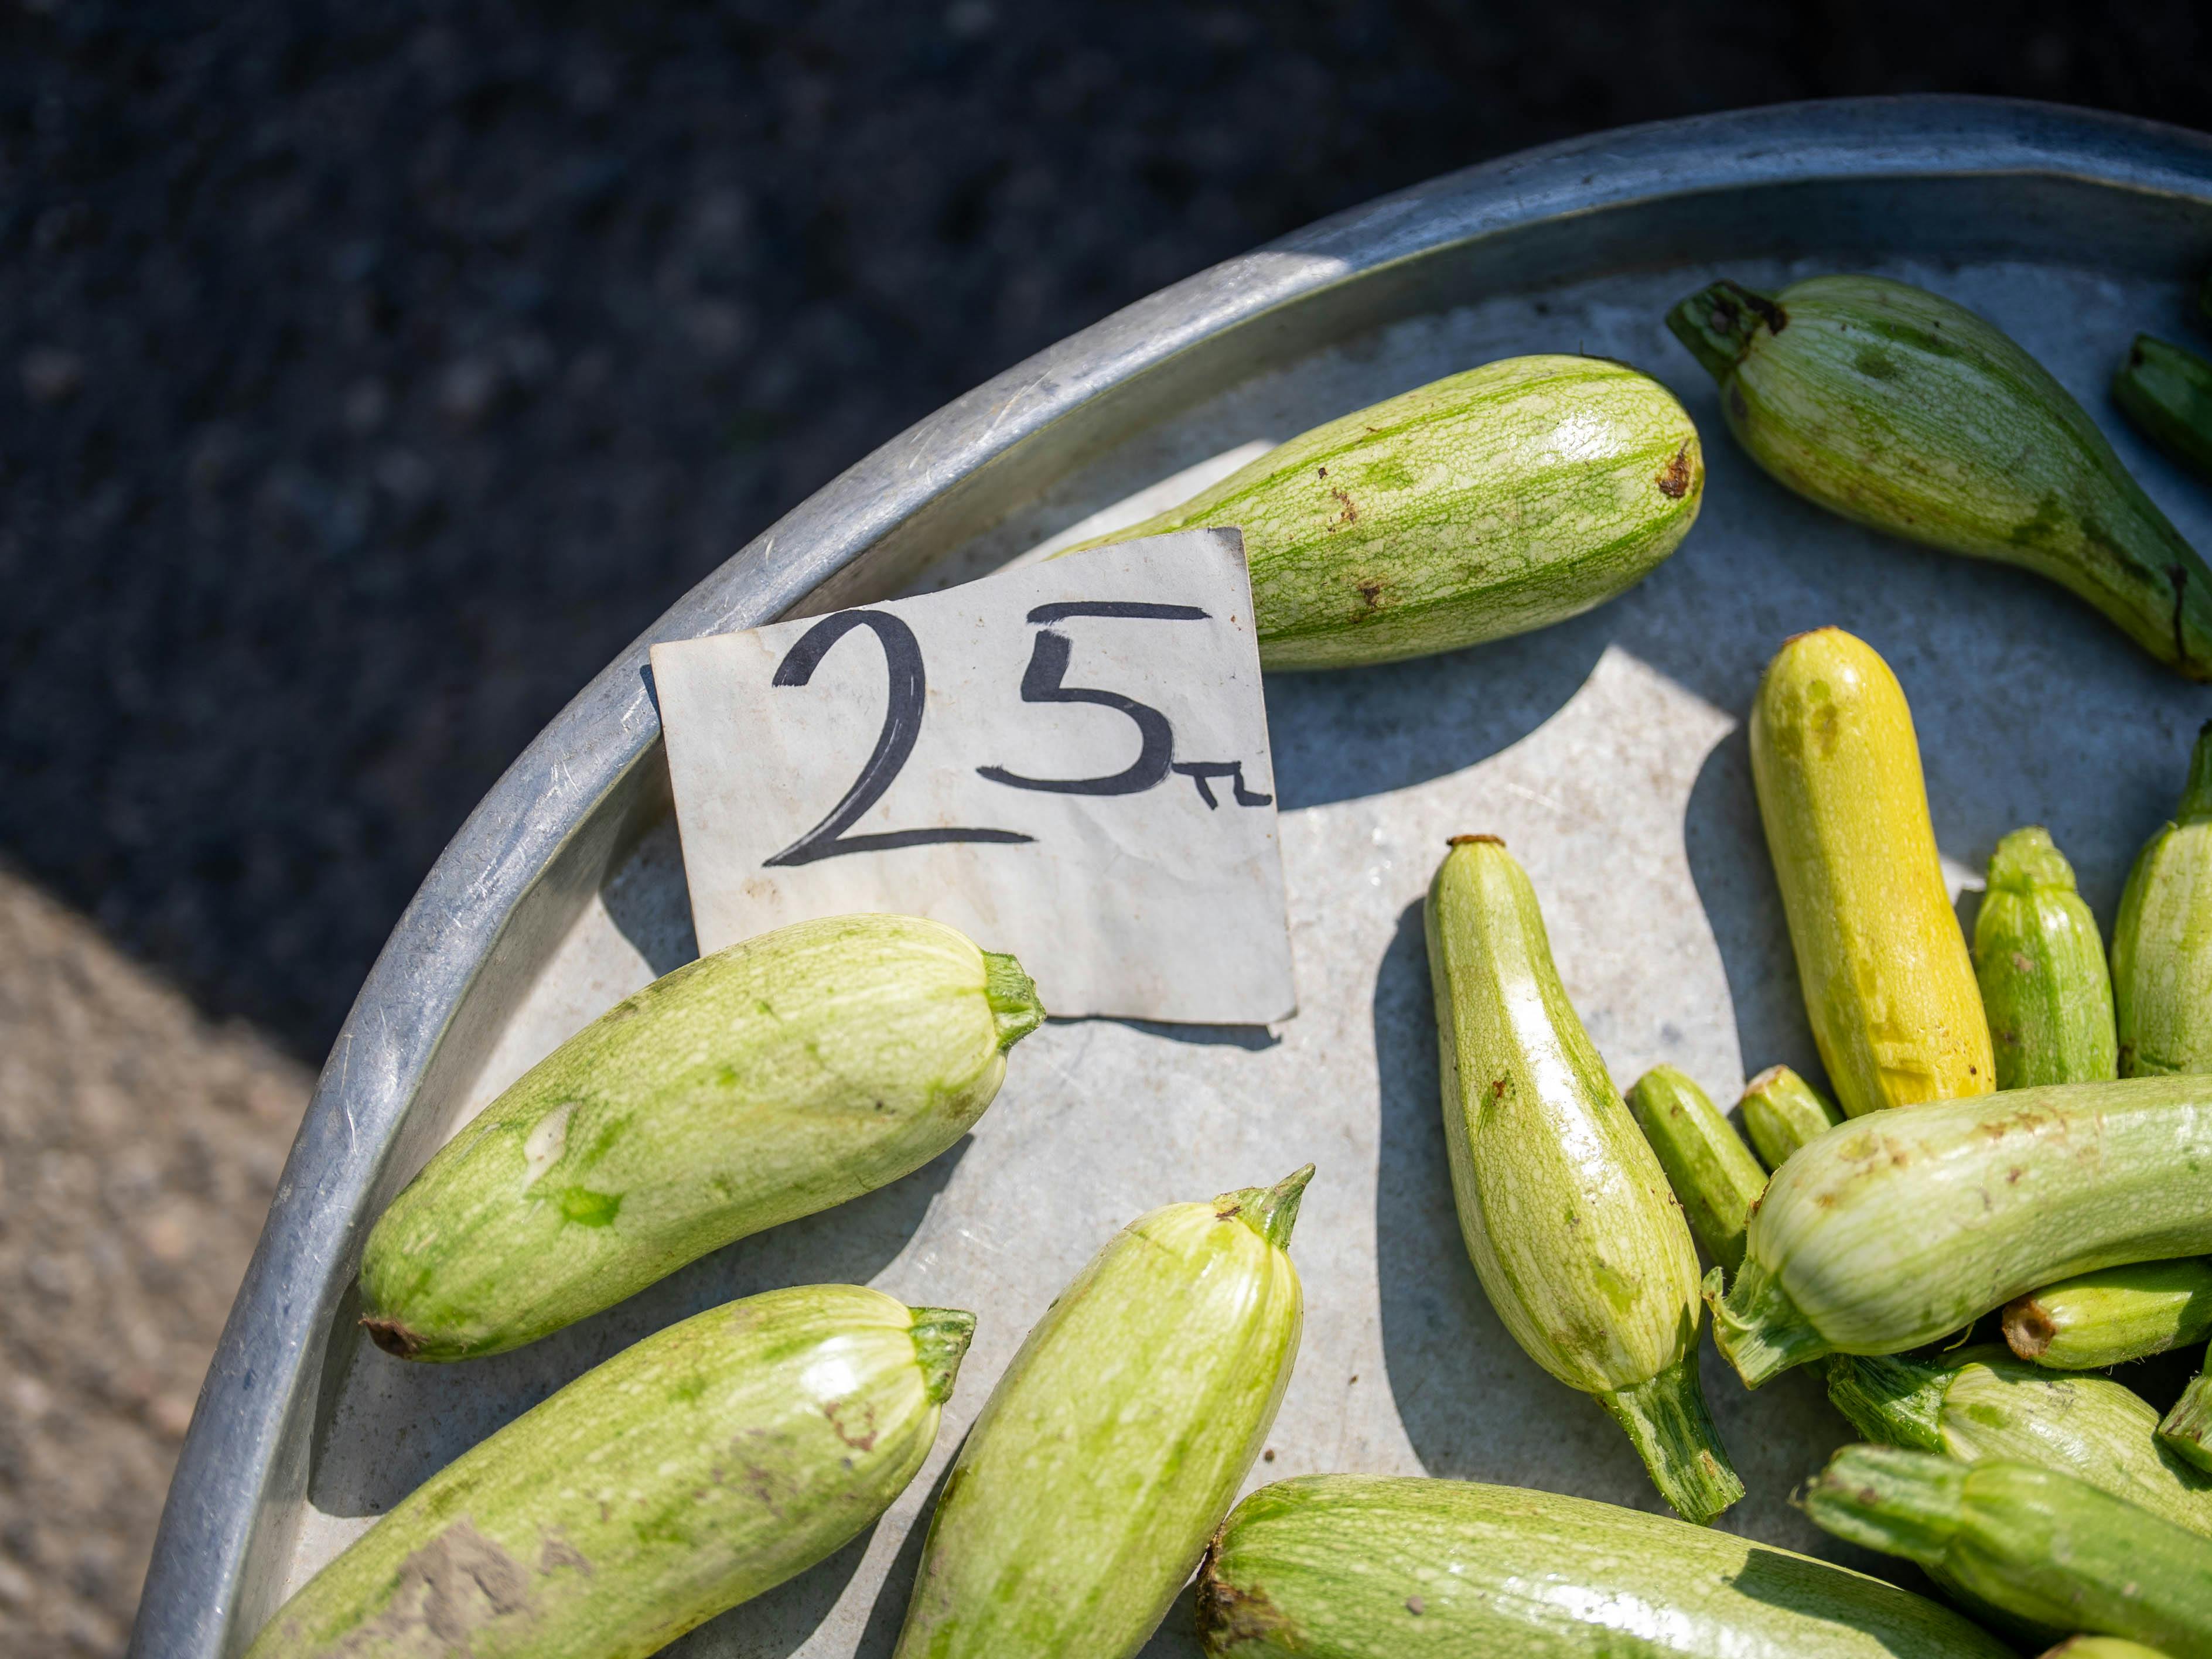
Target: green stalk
[[2187, 1431], [1982, 1403], [1711, 1170], [2040, 1547], [2167, 393], [2040, 964], [2096, 1320], [1905, 412], [2162, 939], [1782, 1112]]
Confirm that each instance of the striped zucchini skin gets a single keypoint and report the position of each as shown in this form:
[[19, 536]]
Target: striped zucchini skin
[[1782, 1112], [1357, 1567], [1893, 1231], [1983, 1403], [2162, 938], [2040, 962], [1889, 986], [784, 1075], [2041, 1548], [1901, 410], [690, 1473], [2089, 1320], [1564, 1207], [1114, 1443], [1505, 498]]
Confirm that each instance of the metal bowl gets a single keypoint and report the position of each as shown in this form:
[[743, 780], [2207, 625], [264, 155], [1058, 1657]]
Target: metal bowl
[[1606, 750]]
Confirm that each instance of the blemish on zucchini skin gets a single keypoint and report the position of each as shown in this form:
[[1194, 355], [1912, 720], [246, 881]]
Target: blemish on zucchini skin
[[586, 1208]]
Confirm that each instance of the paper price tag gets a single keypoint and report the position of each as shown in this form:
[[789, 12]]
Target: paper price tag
[[1068, 762]]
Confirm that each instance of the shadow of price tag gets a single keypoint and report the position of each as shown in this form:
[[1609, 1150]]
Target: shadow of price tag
[[1068, 762]]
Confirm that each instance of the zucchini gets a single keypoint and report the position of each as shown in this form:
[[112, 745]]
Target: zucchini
[[1564, 1208], [2101, 1647], [2186, 1430], [2093, 1320], [1888, 984], [2042, 1548], [779, 1077], [1341, 1566], [2040, 963], [691, 1472], [1900, 410], [2167, 393], [1114, 1444], [1712, 1172], [1507, 498], [1782, 1112], [1893, 1230], [1982, 1402], [2162, 939]]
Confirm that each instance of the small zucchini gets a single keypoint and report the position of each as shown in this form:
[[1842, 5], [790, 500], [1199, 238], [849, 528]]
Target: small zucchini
[[2163, 940], [786, 1074], [1898, 409], [1888, 984], [1782, 1112], [1114, 1443], [2041, 966], [2167, 393], [2042, 1548], [1342, 1566], [1981, 1402], [1711, 1170], [1505, 498], [2091, 1320], [1898, 1229], [2186, 1430], [1564, 1208], [691, 1472]]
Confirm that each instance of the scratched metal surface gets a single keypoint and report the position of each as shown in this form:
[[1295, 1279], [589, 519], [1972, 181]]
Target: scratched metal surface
[[1608, 752]]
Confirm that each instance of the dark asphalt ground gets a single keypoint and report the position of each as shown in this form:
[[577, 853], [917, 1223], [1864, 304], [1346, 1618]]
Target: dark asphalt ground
[[374, 371]]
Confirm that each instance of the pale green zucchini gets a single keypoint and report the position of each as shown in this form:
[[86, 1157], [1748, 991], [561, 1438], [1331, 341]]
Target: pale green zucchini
[[1711, 1170], [2162, 938], [2040, 963], [1899, 1228], [1340, 1566], [2042, 1548], [1505, 498], [691, 1472], [1982, 1402], [1564, 1207], [781, 1076], [1116, 1441], [1901, 410], [1782, 1112], [2091, 1321], [1889, 983]]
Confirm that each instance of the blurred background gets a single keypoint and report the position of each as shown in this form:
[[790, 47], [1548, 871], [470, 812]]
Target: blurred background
[[370, 373]]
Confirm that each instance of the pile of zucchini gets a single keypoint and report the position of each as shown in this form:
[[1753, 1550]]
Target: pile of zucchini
[[2020, 1145]]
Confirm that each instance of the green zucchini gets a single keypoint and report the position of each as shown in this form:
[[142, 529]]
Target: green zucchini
[[1507, 498], [2101, 1647], [777, 1078], [2091, 1321], [1340, 1566], [1711, 1170], [1981, 1402], [2186, 1430], [1114, 1443], [1901, 410], [2162, 939], [2042, 1548], [1888, 984], [1562, 1206], [2167, 393], [1900, 1228], [691, 1472], [1782, 1112], [2040, 963]]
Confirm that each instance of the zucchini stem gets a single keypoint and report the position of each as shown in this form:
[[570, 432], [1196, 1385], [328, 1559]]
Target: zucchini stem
[[1270, 1211], [2186, 1430], [1013, 998], [941, 1343], [1665, 1420], [1894, 1401], [1901, 1503], [1757, 1328], [1718, 322]]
